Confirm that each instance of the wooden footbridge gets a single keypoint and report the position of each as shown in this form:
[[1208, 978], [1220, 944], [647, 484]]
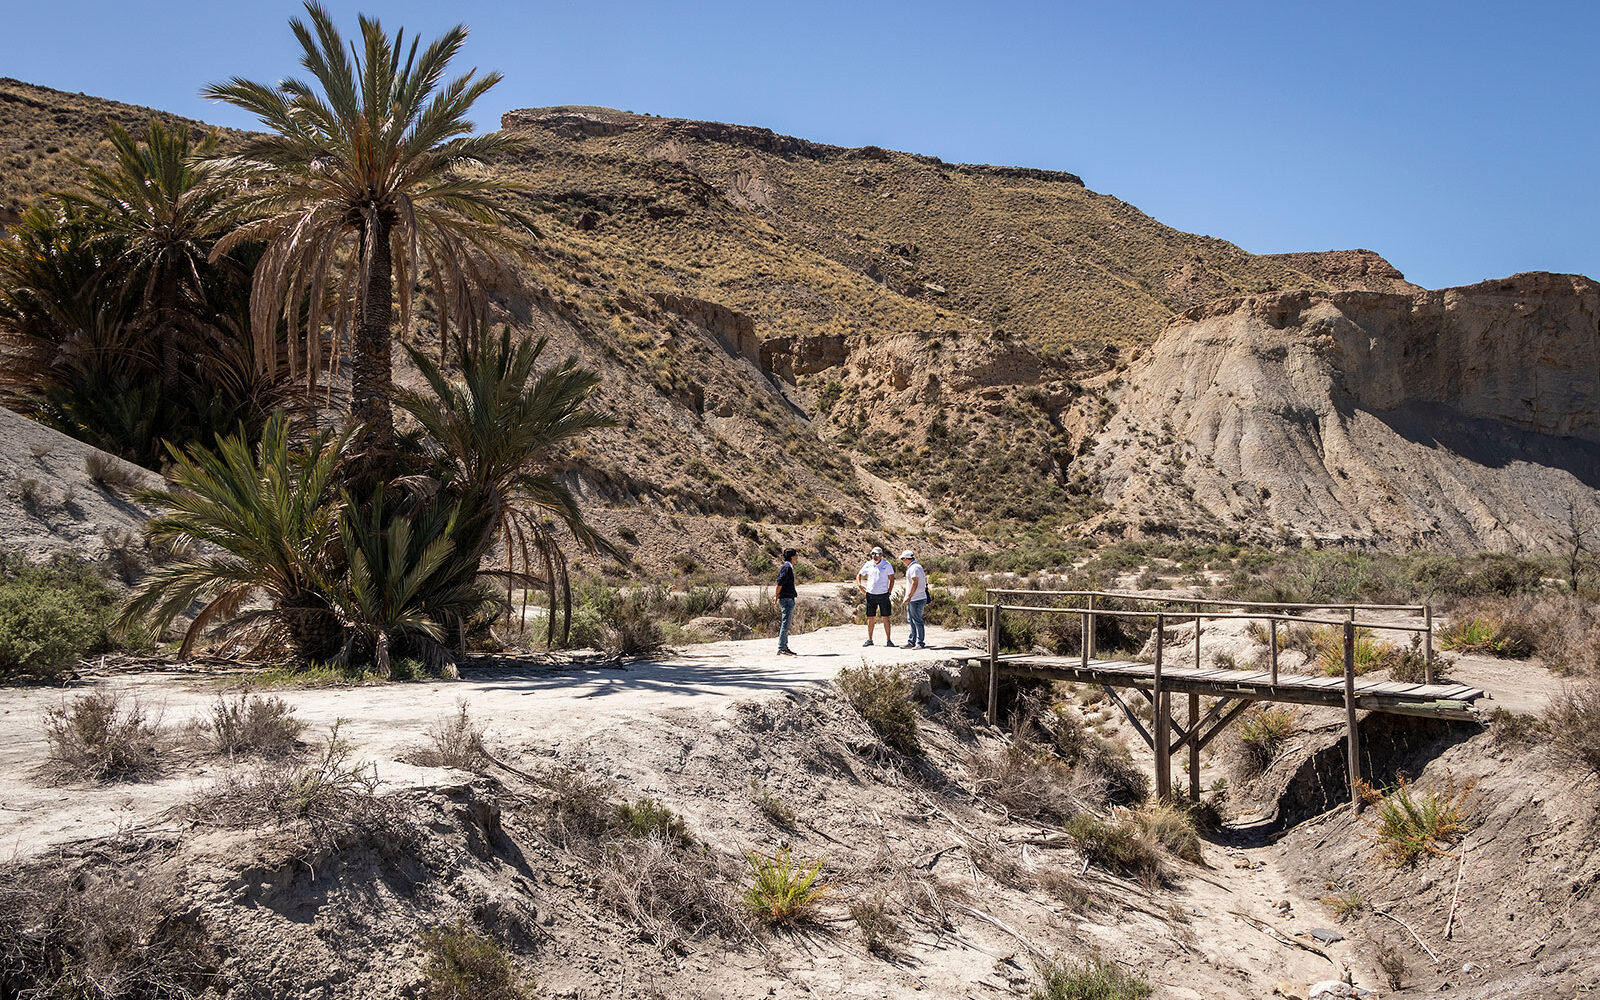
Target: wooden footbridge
[[1232, 690]]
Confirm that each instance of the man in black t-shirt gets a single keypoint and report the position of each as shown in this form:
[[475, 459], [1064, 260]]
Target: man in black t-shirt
[[785, 595]]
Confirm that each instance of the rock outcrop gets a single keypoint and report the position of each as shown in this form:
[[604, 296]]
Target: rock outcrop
[[1461, 419]]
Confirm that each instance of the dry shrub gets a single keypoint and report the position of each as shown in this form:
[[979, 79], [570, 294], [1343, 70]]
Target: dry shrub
[[671, 890], [882, 696], [1173, 829], [877, 923], [99, 737], [1064, 887], [252, 724], [1392, 963], [1025, 781], [112, 473], [462, 964], [455, 742], [1260, 736], [1122, 846], [1573, 724], [328, 803], [100, 933], [578, 809], [1091, 979], [648, 866]]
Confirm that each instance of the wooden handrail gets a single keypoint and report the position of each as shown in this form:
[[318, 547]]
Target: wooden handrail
[[1343, 605], [1208, 616]]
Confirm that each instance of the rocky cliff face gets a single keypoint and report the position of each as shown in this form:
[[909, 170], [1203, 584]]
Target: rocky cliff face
[[1461, 419]]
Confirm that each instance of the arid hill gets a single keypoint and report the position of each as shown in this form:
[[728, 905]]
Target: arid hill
[[839, 345]]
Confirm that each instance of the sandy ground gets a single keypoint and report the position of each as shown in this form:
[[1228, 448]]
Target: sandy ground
[[383, 721]]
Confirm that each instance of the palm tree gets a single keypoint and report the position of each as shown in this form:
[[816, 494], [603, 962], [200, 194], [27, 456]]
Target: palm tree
[[369, 171], [492, 432], [159, 225], [269, 523]]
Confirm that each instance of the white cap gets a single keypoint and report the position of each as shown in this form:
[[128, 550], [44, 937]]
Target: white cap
[[876, 551], [908, 554]]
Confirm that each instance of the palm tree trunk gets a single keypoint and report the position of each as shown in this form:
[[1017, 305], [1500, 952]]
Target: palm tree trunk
[[371, 377]]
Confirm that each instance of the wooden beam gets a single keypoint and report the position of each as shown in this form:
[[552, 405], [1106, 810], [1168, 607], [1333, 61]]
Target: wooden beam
[[1163, 738], [1194, 749], [993, 713], [1351, 735], [1138, 726], [1222, 723]]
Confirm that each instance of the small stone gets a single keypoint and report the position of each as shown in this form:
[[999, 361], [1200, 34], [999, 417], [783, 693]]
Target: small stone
[[1329, 988], [1325, 935], [1292, 990]]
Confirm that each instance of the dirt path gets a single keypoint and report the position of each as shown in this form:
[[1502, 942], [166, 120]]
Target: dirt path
[[548, 704]]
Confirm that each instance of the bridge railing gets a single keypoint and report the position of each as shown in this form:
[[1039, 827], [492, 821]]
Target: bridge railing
[[1093, 606], [998, 601]]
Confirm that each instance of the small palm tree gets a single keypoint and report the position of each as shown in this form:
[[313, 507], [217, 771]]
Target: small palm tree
[[493, 432], [158, 223], [268, 523], [368, 172]]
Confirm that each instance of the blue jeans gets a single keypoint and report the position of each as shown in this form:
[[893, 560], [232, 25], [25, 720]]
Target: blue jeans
[[785, 618], [919, 630]]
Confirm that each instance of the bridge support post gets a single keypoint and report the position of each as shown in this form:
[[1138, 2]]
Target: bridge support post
[[1088, 635], [1162, 729], [1194, 748], [1427, 644], [993, 616], [1274, 650], [1353, 738]]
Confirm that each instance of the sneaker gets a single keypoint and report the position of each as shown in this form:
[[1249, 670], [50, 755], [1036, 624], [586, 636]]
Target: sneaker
[[888, 642], [867, 643], [922, 645], [787, 652]]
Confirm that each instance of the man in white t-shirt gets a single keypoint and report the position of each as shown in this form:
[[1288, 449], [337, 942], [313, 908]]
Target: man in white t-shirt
[[916, 599], [876, 579]]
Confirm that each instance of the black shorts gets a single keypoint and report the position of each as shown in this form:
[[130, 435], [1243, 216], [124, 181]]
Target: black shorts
[[880, 602]]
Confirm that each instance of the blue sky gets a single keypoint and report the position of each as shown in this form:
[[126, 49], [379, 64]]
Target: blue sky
[[1457, 139]]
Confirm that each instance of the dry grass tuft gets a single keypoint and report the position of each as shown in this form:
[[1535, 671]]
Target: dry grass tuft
[[1090, 979], [1122, 846], [455, 742], [877, 924], [100, 737]]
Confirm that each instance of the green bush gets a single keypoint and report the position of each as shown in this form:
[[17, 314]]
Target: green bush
[[1487, 635], [463, 964], [1410, 823], [1121, 846], [1262, 732], [51, 616], [882, 696], [783, 890]]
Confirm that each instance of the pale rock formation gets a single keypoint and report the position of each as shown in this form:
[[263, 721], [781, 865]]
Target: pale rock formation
[[1462, 419]]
